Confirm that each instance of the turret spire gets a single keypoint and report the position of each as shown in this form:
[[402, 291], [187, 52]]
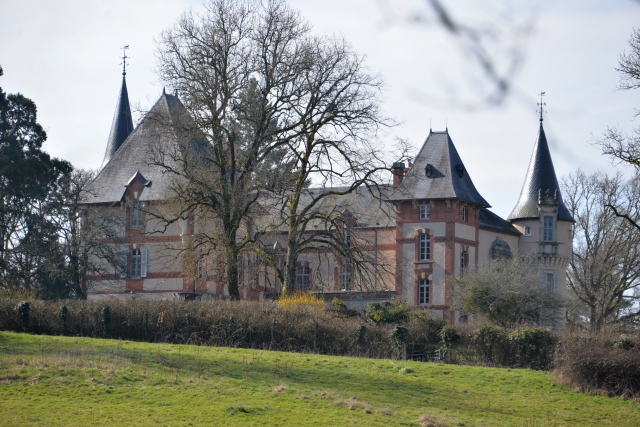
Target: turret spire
[[540, 181], [124, 59], [541, 105], [122, 124]]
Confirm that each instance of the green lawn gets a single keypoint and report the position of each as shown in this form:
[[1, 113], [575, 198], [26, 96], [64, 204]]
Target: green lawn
[[80, 381]]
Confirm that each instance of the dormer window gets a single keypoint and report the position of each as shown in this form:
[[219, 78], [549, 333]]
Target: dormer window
[[428, 171], [547, 229], [425, 211]]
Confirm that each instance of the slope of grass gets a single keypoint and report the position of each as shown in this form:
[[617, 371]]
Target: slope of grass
[[81, 381]]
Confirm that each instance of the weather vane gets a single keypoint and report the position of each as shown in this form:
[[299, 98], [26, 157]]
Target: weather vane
[[541, 105], [124, 59]]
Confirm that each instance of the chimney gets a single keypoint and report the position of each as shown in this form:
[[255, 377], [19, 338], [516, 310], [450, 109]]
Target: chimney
[[398, 174]]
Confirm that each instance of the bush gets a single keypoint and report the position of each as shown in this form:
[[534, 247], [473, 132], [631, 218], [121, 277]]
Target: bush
[[387, 312], [449, 336], [594, 365], [533, 348], [491, 345]]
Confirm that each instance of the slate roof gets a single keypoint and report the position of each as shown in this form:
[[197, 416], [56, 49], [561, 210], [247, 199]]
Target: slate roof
[[368, 207], [491, 221], [540, 176], [449, 178], [166, 126], [122, 124]]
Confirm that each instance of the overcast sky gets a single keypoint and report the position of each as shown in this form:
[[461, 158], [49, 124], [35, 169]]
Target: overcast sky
[[64, 55]]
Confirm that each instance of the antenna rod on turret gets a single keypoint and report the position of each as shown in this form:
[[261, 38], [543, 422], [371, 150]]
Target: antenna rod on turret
[[124, 59], [541, 105]]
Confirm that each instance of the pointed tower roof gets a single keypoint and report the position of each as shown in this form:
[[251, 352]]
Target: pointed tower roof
[[122, 124], [438, 173], [541, 177], [165, 130]]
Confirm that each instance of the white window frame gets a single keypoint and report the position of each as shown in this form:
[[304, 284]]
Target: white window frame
[[465, 214], [124, 258], [464, 261], [302, 277], [425, 211], [136, 214], [424, 247], [254, 273], [548, 234], [423, 292], [136, 264], [345, 277], [527, 231], [143, 262]]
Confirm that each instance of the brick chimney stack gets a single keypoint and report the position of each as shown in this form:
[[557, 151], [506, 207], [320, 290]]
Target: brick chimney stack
[[398, 174]]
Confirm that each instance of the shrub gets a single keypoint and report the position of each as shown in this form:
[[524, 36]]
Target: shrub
[[491, 345], [387, 312], [450, 336], [299, 300], [338, 304], [593, 365], [533, 347]]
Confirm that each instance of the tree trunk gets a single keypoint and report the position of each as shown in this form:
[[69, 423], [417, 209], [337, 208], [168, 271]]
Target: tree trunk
[[232, 276]]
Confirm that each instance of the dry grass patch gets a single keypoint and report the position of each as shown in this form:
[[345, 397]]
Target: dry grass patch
[[280, 389], [386, 411], [429, 421]]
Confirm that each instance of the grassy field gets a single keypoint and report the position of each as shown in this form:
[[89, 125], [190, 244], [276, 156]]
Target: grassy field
[[80, 381]]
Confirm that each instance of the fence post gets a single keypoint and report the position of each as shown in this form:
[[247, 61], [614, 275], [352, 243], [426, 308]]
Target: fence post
[[145, 325], [23, 314], [106, 320], [315, 337], [230, 330], [273, 338], [63, 316]]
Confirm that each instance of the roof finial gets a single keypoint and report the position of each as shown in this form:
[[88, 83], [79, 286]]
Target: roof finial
[[124, 59], [541, 105], [446, 125]]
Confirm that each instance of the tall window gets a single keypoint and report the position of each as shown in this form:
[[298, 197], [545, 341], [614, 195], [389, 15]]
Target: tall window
[[425, 211], [464, 261], [347, 237], [424, 252], [423, 292], [136, 214], [302, 277], [345, 277], [527, 231], [547, 232], [253, 265], [465, 214], [549, 281], [136, 263]]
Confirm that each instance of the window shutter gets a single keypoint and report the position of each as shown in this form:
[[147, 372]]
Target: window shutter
[[143, 262], [123, 262], [555, 281], [543, 280]]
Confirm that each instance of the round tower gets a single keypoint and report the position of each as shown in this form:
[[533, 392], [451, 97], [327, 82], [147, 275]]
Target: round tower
[[544, 221]]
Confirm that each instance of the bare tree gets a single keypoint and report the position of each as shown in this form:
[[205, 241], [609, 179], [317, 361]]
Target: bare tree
[[88, 237], [492, 41], [313, 99], [508, 292], [605, 269], [619, 145]]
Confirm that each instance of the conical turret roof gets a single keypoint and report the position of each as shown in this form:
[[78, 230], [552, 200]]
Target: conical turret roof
[[165, 131], [122, 124], [438, 173], [541, 177]]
